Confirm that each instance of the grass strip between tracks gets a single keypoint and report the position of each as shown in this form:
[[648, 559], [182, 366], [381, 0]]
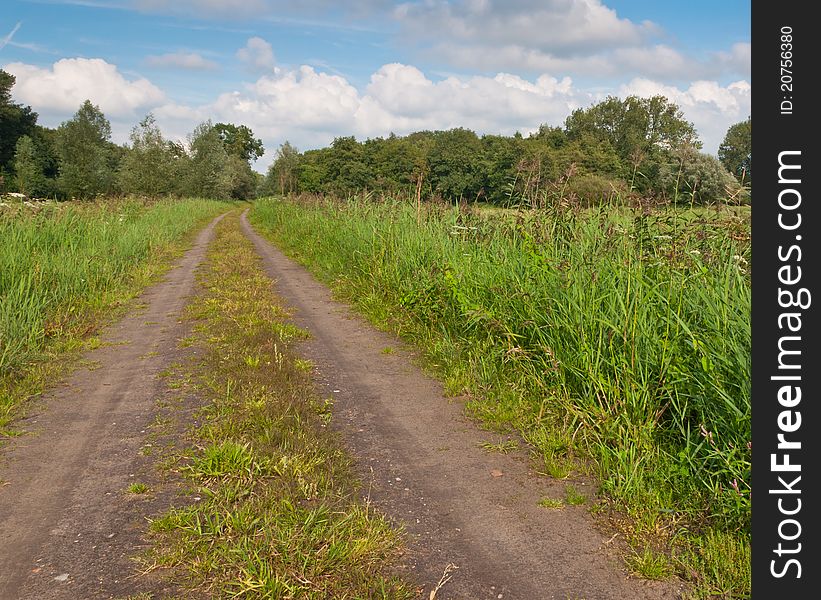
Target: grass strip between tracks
[[278, 513]]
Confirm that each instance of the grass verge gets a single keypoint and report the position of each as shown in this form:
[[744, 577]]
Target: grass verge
[[67, 268], [277, 514], [615, 341]]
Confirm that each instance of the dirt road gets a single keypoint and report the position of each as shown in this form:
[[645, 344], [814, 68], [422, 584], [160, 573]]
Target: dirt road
[[430, 473], [68, 530]]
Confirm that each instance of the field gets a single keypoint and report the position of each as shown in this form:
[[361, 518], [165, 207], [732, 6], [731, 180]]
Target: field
[[615, 341]]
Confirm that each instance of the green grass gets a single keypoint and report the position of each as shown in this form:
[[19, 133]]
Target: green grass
[[649, 565], [138, 488], [280, 514], [66, 267], [616, 341]]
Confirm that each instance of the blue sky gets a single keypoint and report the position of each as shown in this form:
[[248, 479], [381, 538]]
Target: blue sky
[[371, 67]]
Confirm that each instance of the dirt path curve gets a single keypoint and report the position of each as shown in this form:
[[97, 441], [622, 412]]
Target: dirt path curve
[[67, 530], [430, 473]]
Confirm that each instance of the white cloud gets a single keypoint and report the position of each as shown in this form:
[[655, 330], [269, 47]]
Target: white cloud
[[557, 27], [59, 90], [258, 54], [182, 60], [712, 108], [737, 60], [576, 37]]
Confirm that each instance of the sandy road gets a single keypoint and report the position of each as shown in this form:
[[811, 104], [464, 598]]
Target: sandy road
[[67, 530], [430, 473]]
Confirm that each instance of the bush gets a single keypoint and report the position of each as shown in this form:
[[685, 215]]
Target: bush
[[698, 178]]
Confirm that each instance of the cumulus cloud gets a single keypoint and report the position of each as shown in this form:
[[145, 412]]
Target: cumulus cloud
[[712, 108], [258, 54], [558, 27], [59, 90], [577, 37], [182, 60]]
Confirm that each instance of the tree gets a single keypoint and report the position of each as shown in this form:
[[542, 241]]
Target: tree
[[148, 166], [15, 122], [735, 151], [239, 141], [283, 174], [456, 164], [634, 123], [347, 170], [28, 168], [84, 151]]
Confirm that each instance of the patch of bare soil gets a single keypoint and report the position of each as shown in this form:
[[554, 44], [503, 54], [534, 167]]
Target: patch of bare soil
[[423, 466], [68, 526]]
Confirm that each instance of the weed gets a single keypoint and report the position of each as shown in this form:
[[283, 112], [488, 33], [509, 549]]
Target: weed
[[138, 488], [573, 496], [551, 503], [66, 268]]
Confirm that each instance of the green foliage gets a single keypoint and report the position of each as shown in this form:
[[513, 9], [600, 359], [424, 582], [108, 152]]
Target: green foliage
[[212, 169], [29, 171], [239, 141], [595, 190], [15, 122], [634, 125], [455, 165], [283, 174], [735, 152], [205, 169], [85, 154]]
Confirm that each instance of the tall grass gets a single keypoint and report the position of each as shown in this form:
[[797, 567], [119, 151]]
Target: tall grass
[[608, 337], [61, 263]]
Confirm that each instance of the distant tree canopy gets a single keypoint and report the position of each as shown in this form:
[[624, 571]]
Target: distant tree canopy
[[632, 146]]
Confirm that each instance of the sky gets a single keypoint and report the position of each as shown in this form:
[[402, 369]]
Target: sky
[[310, 71]]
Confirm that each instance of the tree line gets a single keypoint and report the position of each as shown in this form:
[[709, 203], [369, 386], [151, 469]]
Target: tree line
[[634, 146], [639, 147]]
